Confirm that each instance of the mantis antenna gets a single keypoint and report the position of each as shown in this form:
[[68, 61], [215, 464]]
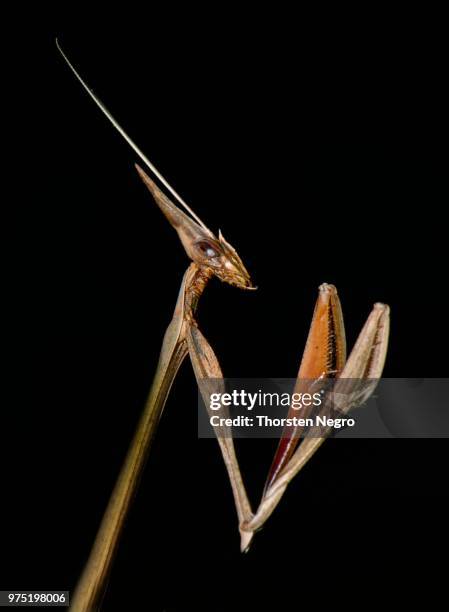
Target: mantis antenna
[[132, 144]]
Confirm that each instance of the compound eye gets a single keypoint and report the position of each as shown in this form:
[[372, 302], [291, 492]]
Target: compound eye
[[207, 249]]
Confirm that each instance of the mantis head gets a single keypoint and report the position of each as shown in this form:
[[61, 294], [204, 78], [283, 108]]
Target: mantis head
[[201, 245], [203, 248]]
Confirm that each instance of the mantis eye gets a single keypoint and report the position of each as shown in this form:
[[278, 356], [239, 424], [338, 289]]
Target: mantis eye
[[207, 249]]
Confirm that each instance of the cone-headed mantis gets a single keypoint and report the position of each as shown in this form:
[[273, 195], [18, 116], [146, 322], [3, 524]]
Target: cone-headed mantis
[[324, 356]]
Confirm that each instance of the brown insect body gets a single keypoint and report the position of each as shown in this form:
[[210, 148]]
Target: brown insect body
[[324, 357]]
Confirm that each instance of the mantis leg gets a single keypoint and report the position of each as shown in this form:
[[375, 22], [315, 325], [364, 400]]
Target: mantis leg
[[353, 387], [324, 357], [205, 365]]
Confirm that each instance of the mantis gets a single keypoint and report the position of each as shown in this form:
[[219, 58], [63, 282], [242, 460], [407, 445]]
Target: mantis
[[324, 358]]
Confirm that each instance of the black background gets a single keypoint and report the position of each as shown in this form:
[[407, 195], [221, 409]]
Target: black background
[[318, 167]]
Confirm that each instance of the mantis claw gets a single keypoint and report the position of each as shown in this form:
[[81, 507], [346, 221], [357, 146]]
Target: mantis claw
[[324, 357], [353, 386]]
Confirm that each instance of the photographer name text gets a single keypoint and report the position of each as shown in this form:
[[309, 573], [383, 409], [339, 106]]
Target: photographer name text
[[265, 421]]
